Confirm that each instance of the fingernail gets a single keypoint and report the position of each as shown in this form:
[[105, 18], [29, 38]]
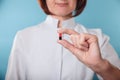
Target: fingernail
[[58, 41]]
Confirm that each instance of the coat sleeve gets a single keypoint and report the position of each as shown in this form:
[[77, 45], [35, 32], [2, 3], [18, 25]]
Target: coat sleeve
[[16, 63], [107, 51]]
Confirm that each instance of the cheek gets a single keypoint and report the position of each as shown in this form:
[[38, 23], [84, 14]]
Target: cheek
[[50, 6], [49, 3], [74, 5]]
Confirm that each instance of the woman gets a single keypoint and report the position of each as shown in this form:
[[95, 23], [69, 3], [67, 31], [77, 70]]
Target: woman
[[38, 55]]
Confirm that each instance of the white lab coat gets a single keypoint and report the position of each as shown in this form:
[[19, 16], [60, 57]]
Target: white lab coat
[[36, 55]]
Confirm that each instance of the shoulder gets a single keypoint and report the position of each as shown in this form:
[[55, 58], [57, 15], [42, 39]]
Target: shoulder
[[102, 37], [31, 30], [107, 51]]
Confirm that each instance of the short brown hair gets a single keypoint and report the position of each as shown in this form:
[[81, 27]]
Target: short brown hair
[[79, 7]]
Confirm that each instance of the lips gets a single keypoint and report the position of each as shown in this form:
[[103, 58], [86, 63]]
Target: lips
[[62, 4]]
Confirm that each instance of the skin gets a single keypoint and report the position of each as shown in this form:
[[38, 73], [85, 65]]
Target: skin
[[86, 49], [62, 9], [84, 46]]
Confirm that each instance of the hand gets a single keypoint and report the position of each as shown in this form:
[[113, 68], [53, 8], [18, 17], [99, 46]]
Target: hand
[[84, 46]]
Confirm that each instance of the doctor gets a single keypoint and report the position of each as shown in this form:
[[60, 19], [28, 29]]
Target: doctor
[[38, 54]]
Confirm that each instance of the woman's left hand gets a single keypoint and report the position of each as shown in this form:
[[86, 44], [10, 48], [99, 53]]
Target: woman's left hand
[[84, 46]]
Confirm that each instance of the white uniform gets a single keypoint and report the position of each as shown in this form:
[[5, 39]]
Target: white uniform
[[36, 55]]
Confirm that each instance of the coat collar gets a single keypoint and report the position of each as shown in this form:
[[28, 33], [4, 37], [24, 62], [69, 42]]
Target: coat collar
[[69, 23]]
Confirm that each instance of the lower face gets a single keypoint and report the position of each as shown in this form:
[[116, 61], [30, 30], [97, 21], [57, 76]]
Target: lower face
[[61, 8]]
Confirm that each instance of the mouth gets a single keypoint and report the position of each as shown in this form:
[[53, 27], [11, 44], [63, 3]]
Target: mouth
[[62, 4]]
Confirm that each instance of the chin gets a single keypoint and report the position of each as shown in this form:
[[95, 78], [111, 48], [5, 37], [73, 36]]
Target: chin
[[63, 14]]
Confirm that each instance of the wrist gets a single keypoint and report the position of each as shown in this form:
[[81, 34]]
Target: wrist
[[101, 67], [106, 70]]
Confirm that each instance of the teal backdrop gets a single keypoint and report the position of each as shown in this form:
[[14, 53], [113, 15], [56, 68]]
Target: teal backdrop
[[19, 14]]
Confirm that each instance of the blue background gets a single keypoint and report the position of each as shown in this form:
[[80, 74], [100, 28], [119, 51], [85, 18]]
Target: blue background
[[18, 14]]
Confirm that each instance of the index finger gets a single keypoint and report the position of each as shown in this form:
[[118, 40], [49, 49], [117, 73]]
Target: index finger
[[67, 31]]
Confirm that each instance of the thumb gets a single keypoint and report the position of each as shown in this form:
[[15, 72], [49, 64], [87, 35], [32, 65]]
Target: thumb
[[75, 51]]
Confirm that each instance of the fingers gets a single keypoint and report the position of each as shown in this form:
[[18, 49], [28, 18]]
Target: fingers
[[76, 40], [66, 44], [70, 47], [67, 31], [79, 42], [88, 37]]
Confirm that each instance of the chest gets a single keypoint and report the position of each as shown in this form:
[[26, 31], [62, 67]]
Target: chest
[[48, 60]]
